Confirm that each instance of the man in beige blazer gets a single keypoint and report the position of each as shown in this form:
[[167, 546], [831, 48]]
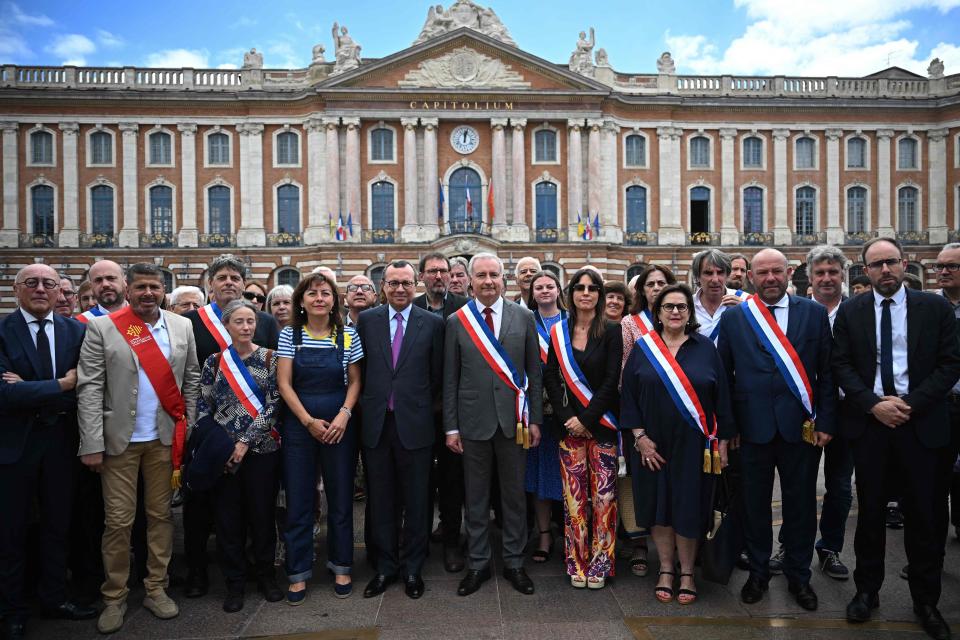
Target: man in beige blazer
[[124, 430]]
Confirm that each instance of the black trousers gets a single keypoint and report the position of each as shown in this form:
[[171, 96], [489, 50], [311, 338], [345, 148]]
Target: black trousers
[[86, 530], [198, 517], [245, 501], [948, 482], [915, 468], [45, 470], [447, 483]]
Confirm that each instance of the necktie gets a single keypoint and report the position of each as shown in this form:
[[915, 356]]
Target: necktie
[[43, 351], [773, 311], [488, 317], [395, 348], [886, 349]]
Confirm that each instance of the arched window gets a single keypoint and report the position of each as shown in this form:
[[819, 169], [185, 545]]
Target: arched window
[[218, 209], [635, 270], [700, 210], [288, 148], [753, 209], [856, 210], [856, 153], [376, 276], [41, 147], [752, 153], [101, 216], [907, 209], [381, 145], [700, 152], [101, 148], [466, 212], [288, 209], [167, 279], [907, 153], [288, 276], [546, 208], [806, 210], [806, 153], [545, 146], [636, 209], [635, 147], [161, 148], [161, 210], [218, 148], [41, 198], [381, 205]]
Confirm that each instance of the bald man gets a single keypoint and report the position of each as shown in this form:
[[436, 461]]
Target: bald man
[[109, 288]]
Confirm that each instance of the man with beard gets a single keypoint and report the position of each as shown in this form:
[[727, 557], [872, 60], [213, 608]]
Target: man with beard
[[109, 288], [948, 277], [361, 295], [711, 268], [527, 267], [737, 280]]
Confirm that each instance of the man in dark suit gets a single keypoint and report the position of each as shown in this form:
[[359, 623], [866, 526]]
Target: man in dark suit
[[446, 479], [480, 417], [773, 422], [402, 373], [896, 357], [39, 351], [225, 280]]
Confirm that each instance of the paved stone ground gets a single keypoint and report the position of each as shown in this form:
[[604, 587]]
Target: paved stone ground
[[625, 609]]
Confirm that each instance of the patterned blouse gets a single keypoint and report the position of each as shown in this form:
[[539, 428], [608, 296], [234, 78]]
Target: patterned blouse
[[217, 398]]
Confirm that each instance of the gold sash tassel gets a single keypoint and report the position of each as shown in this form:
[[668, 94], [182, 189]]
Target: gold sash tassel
[[707, 461]]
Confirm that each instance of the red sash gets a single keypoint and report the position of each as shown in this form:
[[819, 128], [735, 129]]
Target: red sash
[[160, 374]]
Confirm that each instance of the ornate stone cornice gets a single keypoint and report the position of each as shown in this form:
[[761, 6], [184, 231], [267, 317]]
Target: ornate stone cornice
[[409, 123], [936, 135], [833, 134], [728, 134], [69, 128], [781, 134], [885, 133], [129, 128], [187, 129]]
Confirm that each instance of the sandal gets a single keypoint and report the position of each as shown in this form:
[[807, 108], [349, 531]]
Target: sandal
[[686, 596], [664, 594], [596, 582], [543, 555], [578, 582], [638, 562]]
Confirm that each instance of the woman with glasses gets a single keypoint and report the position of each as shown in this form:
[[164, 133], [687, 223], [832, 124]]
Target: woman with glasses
[[319, 379], [676, 403], [279, 304], [255, 293], [583, 369]]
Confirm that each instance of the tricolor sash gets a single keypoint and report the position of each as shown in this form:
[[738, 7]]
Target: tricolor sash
[[683, 394], [740, 293], [543, 335], [496, 356], [93, 312], [572, 375], [160, 374], [643, 320], [238, 376], [210, 316]]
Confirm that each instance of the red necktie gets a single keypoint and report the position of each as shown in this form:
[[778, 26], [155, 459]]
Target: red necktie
[[488, 316]]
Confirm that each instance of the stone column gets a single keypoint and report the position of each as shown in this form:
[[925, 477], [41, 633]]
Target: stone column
[[782, 235], [519, 229], [129, 230], [252, 232], [70, 227], [610, 229], [411, 217], [671, 230], [835, 233], [10, 233], [430, 230], [316, 231], [189, 235], [937, 186], [729, 233], [884, 220], [594, 171], [499, 177], [333, 172], [352, 170], [574, 176]]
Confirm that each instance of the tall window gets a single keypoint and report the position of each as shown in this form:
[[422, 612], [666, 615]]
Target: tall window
[[465, 215], [546, 194], [101, 148], [700, 152], [635, 147], [288, 151], [545, 146], [218, 199], [753, 209], [856, 209], [167, 276], [700, 210], [376, 276], [806, 210], [161, 146], [41, 197], [907, 153], [288, 276], [218, 148], [381, 145], [161, 210], [288, 209], [856, 153], [101, 198], [806, 150], [907, 209], [41, 147], [381, 194], [752, 153], [636, 209]]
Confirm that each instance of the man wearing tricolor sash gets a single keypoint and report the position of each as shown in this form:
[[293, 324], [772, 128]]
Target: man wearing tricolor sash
[[711, 268], [492, 411], [138, 384], [776, 350], [109, 288]]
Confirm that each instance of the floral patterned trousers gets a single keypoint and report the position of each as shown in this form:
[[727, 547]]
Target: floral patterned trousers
[[589, 472]]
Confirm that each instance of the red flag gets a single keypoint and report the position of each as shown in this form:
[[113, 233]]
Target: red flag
[[490, 207]]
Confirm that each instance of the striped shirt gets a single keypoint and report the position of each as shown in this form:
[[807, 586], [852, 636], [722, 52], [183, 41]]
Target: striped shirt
[[352, 348]]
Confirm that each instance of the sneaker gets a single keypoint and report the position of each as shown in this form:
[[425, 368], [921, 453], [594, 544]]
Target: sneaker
[[831, 564], [905, 572], [776, 562], [894, 516], [161, 605], [111, 618]]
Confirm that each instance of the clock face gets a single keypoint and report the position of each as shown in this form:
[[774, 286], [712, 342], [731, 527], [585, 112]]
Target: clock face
[[464, 139]]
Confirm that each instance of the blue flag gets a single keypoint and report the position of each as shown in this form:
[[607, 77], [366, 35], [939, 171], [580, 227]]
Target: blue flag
[[596, 225], [439, 202], [350, 223]]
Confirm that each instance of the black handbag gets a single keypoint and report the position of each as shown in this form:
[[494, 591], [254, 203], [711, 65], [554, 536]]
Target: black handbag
[[724, 537]]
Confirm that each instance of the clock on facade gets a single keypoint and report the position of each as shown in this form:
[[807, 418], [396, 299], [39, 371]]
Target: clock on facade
[[464, 139]]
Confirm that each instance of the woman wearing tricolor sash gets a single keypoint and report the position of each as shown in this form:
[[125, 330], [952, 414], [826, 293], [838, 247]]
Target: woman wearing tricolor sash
[[675, 401], [238, 391], [583, 369]]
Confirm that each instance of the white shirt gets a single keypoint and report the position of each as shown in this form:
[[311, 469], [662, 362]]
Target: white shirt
[[707, 322], [497, 315], [148, 404], [34, 325], [898, 317], [782, 313], [405, 314]]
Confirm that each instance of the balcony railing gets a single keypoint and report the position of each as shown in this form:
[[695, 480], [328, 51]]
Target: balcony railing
[[810, 239], [379, 236], [858, 237], [640, 238], [547, 235], [953, 235], [703, 239], [455, 227], [282, 239], [38, 240], [218, 240], [757, 239], [97, 240], [913, 237], [157, 240]]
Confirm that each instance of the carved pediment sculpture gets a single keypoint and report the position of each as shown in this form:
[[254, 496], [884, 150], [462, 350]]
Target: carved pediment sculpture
[[665, 64], [463, 13], [347, 51], [581, 60], [464, 67]]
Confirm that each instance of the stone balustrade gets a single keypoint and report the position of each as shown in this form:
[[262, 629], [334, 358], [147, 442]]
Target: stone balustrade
[[24, 77]]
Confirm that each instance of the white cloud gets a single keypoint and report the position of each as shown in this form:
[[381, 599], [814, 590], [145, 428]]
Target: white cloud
[[109, 40], [242, 22], [28, 20], [13, 48], [72, 48], [282, 55], [177, 58], [227, 65]]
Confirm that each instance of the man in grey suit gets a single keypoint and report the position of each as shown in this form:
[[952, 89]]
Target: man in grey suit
[[480, 417], [402, 371]]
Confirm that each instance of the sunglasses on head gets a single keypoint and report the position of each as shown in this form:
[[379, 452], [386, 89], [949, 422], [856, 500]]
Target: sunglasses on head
[[251, 296]]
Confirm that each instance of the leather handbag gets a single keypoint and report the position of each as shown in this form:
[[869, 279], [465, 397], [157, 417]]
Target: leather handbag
[[724, 537]]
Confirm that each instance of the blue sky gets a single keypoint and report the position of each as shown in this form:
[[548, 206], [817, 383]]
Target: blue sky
[[764, 37]]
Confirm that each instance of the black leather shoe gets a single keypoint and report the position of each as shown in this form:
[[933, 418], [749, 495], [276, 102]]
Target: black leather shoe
[[520, 580], [70, 611], [860, 607], [413, 586], [269, 590], [472, 581], [932, 622], [743, 561], [233, 602], [13, 630], [804, 594], [452, 558], [753, 590], [378, 585], [196, 586], [436, 536]]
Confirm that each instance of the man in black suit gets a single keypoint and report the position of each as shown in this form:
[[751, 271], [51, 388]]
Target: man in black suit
[[225, 280], [39, 351], [446, 481], [402, 375], [896, 357]]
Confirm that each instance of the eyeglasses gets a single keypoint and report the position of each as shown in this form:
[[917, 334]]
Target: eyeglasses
[[353, 288], [592, 288], [68, 294], [396, 284], [952, 267], [437, 272], [669, 307], [251, 296], [33, 283], [876, 265]]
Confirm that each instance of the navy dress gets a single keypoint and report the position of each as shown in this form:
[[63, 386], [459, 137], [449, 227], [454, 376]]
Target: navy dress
[[679, 495], [543, 461]]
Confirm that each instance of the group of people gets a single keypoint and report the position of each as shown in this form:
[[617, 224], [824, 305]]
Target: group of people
[[617, 405]]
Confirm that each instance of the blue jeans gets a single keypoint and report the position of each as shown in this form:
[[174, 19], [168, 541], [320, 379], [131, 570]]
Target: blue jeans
[[837, 472]]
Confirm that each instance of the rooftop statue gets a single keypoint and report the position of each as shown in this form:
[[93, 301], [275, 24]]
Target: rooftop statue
[[581, 60], [665, 64], [253, 60], [347, 51], [463, 13]]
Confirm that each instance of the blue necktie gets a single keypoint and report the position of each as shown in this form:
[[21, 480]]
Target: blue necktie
[[886, 349]]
